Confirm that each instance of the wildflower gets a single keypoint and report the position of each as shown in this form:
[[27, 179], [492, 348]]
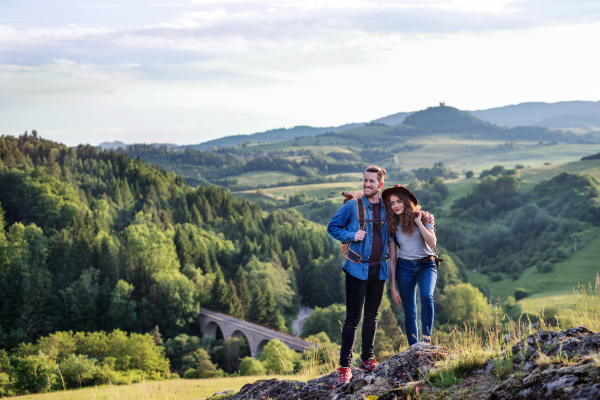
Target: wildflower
[[385, 355], [417, 389], [584, 326], [404, 374], [333, 386], [460, 351], [571, 324], [443, 340]]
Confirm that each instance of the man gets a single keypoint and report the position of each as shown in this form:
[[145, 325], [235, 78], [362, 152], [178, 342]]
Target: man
[[365, 267]]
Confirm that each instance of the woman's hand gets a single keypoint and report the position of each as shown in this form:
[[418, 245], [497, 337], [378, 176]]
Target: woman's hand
[[396, 296]]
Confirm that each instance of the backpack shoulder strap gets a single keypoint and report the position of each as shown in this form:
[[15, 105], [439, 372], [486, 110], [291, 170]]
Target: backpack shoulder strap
[[360, 211], [393, 235]]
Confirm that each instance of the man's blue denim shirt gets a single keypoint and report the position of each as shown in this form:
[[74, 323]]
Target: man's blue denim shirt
[[347, 217]]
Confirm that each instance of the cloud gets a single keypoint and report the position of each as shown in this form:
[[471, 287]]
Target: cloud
[[145, 69]]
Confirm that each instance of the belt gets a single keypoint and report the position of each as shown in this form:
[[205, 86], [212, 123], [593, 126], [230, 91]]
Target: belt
[[428, 258]]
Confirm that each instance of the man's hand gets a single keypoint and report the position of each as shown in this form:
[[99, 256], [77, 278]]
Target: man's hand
[[359, 235], [430, 219], [417, 216], [396, 297]]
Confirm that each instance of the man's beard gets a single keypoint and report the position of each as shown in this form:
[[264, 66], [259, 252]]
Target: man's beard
[[375, 191]]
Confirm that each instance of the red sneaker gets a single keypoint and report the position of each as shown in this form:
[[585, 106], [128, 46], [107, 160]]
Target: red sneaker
[[368, 366], [344, 375]]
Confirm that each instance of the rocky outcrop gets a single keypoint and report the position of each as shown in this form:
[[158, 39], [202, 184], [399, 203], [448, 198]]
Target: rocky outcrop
[[554, 365], [545, 365], [387, 380]]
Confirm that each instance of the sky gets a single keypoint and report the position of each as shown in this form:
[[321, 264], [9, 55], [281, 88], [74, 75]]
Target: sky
[[188, 71]]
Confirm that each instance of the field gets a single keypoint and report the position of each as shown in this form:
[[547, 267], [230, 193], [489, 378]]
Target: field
[[547, 290], [169, 389], [260, 178], [318, 190]]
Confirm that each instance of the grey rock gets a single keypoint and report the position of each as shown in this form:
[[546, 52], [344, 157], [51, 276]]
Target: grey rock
[[564, 381], [523, 394], [490, 367], [588, 393], [389, 376]]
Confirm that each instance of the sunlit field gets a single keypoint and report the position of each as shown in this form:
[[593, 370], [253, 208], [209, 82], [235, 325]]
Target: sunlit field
[[169, 389]]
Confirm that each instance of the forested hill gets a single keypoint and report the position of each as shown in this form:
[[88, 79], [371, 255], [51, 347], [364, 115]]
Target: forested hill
[[96, 240], [450, 120]]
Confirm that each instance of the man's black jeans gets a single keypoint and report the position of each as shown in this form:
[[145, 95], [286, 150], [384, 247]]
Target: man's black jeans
[[358, 293]]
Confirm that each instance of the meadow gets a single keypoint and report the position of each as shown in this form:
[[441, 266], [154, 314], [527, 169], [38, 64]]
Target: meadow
[[169, 389]]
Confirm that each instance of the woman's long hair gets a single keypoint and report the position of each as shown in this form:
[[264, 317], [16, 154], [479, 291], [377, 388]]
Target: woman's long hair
[[407, 219]]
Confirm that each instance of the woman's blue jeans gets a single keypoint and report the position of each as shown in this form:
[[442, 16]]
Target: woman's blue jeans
[[408, 275]]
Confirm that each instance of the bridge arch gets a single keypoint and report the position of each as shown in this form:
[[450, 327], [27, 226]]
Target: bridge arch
[[238, 334], [261, 346], [213, 330], [212, 323]]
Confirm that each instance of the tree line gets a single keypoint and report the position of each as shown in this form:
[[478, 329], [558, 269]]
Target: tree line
[[94, 240]]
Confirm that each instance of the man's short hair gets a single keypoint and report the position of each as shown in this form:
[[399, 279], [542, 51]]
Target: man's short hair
[[378, 170]]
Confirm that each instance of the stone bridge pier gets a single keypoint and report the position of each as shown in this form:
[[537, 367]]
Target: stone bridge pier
[[212, 323]]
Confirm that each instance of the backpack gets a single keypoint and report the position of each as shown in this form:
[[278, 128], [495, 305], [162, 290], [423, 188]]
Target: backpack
[[346, 251]]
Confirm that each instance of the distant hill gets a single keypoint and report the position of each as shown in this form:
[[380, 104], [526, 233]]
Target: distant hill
[[446, 119], [112, 145], [394, 119], [539, 113], [566, 114], [120, 145], [589, 121], [449, 120], [273, 135]]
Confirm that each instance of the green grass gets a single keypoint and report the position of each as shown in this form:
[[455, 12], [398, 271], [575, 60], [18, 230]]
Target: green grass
[[536, 175], [317, 190], [464, 155], [257, 178], [458, 188], [170, 389], [547, 290]]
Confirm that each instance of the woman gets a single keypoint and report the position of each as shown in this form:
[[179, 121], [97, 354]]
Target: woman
[[415, 264]]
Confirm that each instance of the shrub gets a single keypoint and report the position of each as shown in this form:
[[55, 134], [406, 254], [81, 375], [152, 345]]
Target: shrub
[[199, 360], [190, 374], [278, 358], [509, 303], [325, 320], [561, 254], [547, 267], [320, 338], [483, 288], [251, 366], [496, 277], [469, 174], [520, 294], [32, 374], [77, 370], [459, 302]]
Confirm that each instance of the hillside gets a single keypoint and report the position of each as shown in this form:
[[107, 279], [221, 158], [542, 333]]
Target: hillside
[[438, 134], [273, 135], [96, 241], [449, 120], [534, 113]]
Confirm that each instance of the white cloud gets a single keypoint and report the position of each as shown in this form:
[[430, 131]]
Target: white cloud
[[140, 71]]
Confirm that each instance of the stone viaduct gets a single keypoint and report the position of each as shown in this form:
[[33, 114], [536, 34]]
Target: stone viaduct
[[214, 323]]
